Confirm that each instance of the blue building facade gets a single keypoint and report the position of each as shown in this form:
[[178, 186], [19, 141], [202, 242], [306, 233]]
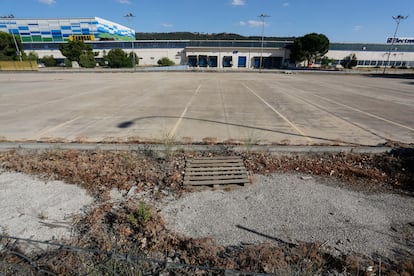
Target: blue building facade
[[61, 30]]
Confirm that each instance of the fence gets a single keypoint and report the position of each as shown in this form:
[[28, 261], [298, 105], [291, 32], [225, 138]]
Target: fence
[[60, 259]]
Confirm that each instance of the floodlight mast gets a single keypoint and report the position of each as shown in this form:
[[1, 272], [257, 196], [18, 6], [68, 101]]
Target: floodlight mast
[[130, 17], [398, 20], [262, 17]]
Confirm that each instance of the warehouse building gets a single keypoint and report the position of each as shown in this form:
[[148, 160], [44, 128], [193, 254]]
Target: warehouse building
[[62, 30], [44, 36]]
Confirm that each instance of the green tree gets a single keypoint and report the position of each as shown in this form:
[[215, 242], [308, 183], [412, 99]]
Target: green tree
[[8, 49], [32, 56], [349, 61], [117, 58], [309, 47], [165, 62], [74, 49], [49, 61], [87, 60]]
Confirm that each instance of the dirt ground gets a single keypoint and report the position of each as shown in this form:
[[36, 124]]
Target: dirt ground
[[367, 196]]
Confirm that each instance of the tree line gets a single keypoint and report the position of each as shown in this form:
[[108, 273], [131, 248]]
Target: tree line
[[204, 36]]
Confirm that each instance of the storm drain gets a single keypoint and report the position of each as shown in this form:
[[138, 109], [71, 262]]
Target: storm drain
[[215, 172]]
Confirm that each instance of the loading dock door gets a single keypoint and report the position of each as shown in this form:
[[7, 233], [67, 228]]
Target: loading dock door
[[192, 61], [272, 62], [212, 61], [202, 61], [242, 61], [256, 62], [228, 61], [268, 62]]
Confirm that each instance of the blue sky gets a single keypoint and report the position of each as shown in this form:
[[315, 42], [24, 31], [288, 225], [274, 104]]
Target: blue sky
[[341, 20]]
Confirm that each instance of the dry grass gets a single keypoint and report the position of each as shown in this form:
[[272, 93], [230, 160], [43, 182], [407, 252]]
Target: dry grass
[[130, 228]]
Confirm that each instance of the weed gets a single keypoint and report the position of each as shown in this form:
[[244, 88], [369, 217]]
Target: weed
[[144, 212], [168, 142], [251, 139], [142, 215], [133, 219]]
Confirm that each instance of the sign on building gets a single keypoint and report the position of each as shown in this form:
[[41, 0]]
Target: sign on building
[[82, 37], [400, 40]]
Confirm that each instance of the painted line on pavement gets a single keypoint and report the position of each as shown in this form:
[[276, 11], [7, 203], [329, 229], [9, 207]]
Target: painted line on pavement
[[42, 133], [366, 113], [177, 124], [279, 114]]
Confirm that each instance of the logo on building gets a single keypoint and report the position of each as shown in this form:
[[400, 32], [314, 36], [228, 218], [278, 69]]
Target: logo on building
[[81, 38], [400, 40]]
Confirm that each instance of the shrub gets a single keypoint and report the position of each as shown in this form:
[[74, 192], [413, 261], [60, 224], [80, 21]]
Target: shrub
[[326, 62], [49, 61], [87, 60], [349, 61], [165, 62], [67, 62], [32, 56], [131, 57], [117, 58]]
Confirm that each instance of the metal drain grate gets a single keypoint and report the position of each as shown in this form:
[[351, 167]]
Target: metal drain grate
[[215, 171]]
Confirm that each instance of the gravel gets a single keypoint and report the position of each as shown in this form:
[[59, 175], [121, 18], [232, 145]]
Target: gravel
[[287, 208], [39, 210]]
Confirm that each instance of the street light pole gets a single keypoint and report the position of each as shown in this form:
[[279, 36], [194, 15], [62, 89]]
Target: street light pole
[[262, 17], [18, 52], [130, 16], [397, 19]]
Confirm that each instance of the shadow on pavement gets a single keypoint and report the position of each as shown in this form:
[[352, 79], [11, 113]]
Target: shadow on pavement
[[130, 123], [392, 76]]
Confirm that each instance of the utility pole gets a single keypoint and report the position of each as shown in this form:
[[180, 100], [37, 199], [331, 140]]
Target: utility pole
[[397, 19], [130, 17], [262, 17]]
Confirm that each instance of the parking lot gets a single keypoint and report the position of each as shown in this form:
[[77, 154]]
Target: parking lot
[[267, 108]]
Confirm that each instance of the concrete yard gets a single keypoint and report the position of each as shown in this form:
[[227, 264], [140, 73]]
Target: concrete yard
[[267, 108]]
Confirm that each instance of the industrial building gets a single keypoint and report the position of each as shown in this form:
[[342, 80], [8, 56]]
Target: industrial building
[[62, 30], [44, 36]]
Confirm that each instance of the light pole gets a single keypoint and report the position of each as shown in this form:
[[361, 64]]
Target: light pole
[[397, 19], [18, 52], [130, 16], [262, 17], [17, 48]]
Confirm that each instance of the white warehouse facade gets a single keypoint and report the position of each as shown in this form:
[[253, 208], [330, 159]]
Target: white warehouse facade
[[43, 36]]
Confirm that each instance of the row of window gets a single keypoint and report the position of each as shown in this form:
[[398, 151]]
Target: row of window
[[391, 63], [377, 63]]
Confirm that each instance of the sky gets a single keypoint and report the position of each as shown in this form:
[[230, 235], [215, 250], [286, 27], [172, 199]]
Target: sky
[[365, 21]]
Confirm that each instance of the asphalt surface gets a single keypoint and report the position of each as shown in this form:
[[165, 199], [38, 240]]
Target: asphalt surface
[[193, 107]]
